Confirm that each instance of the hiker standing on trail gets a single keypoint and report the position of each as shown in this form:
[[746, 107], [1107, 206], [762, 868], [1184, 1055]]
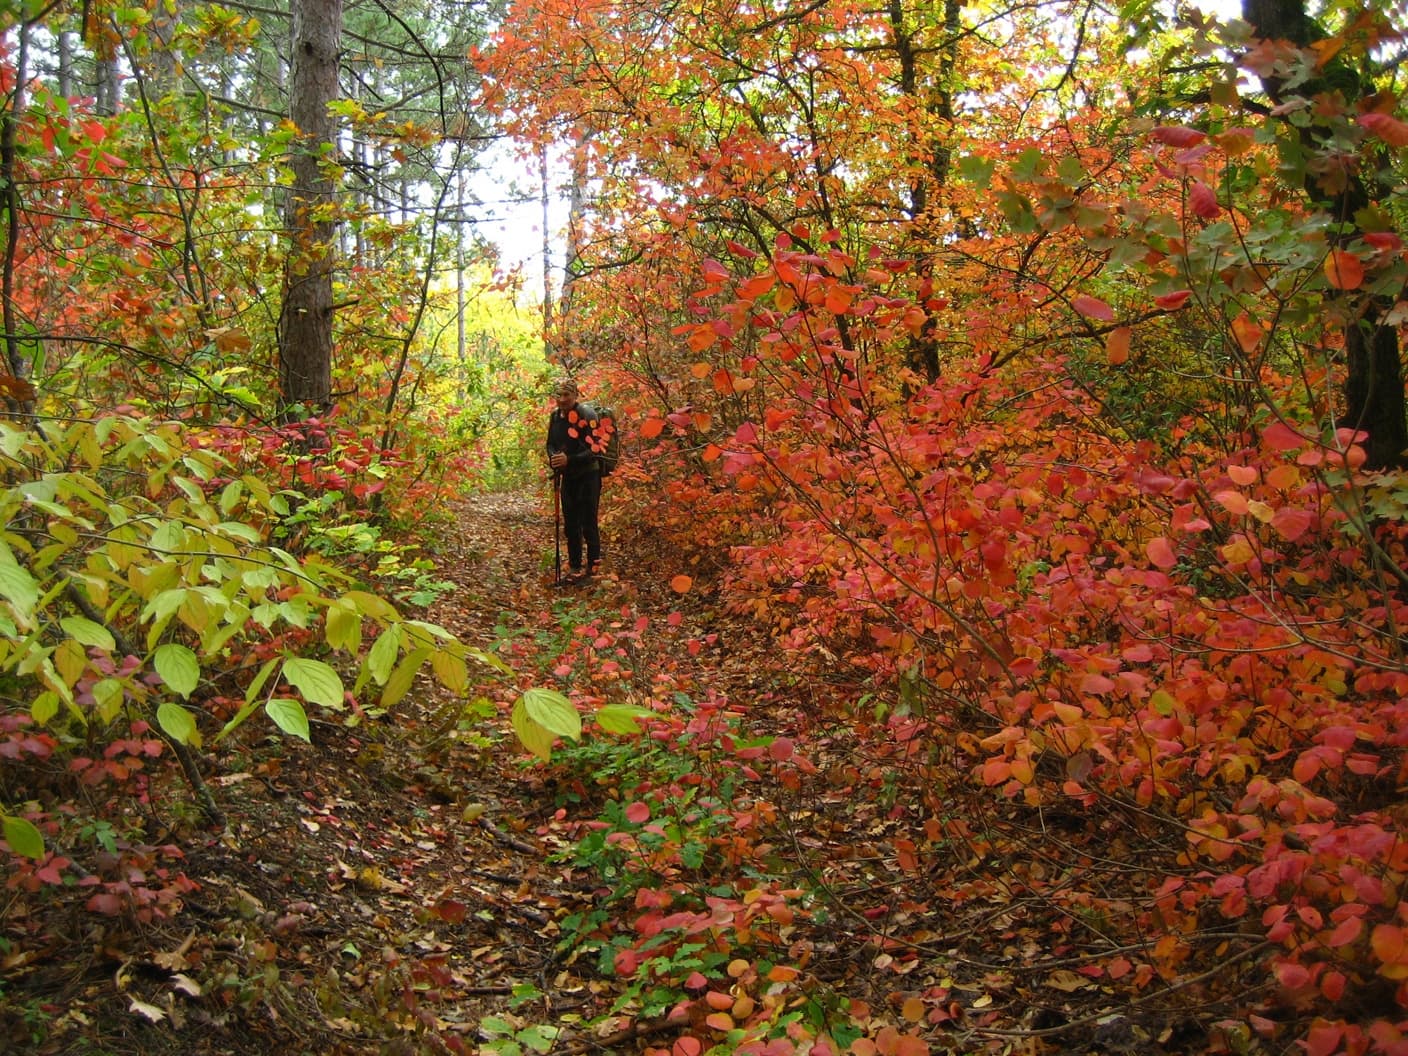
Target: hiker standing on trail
[[576, 466]]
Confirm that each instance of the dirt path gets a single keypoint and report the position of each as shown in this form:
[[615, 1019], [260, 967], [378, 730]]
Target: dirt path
[[378, 891]]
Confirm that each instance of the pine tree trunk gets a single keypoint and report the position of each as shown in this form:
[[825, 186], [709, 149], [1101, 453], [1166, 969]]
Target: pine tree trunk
[[305, 324]]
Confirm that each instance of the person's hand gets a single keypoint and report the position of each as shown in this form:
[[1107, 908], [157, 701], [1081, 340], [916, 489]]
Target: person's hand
[[558, 460]]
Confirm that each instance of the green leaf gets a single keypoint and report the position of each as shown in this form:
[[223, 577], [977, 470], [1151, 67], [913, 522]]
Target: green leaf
[[23, 837], [259, 679], [533, 737], [44, 708], [554, 712], [289, 716], [370, 605], [107, 698], [621, 718], [381, 658], [343, 626], [317, 681], [489, 660], [399, 684], [976, 170], [88, 632], [19, 587], [1029, 164], [230, 496], [450, 670], [240, 530], [178, 667], [179, 724], [539, 1037]]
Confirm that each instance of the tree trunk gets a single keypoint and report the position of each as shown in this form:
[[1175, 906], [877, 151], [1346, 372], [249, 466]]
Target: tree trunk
[[1373, 390], [305, 323]]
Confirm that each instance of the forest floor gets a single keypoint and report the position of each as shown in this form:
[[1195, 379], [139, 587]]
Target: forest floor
[[410, 884], [383, 889]]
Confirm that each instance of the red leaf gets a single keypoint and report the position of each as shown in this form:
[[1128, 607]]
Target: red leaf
[[1278, 436], [1171, 302], [638, 812], [1323, 1039], [1178, 135], [1093, 308], [1202, 199], [1292, 976], [450, 911], [1291, 524], [1391, 130], [1345, 932]]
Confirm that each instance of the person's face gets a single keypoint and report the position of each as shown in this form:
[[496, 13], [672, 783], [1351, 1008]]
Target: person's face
[[566, 401]]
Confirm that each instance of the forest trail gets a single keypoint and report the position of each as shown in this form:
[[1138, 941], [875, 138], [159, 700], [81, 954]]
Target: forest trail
[[417, 883], [380, 890]]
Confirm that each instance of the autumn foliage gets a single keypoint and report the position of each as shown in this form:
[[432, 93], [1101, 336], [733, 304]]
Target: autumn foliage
[[1010, 654], [1026, 429]]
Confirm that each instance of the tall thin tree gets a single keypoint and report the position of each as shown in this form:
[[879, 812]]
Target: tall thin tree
[[306, 319]]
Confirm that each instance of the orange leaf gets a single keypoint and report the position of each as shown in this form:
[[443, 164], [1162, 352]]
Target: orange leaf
[[687, 1046], [1234, 502], [913, 1009], [1117, 345], [1390, 946], [838, 299], [701, 370], [757, 286], [719, 1021], [702, 337], [1160, 553], [681, 584], [1248, 333], [911, 1045], [1343, 270], [651, 428]]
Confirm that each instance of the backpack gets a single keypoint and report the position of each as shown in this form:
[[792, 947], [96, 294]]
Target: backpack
[[610, 455]]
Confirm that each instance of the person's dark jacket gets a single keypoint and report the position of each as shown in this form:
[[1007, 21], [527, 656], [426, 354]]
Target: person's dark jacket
[[572, 433]]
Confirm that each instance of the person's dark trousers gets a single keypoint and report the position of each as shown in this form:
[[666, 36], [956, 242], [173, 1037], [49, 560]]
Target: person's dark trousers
[[581, 501]]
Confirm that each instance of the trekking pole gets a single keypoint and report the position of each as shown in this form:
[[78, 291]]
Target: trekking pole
[[557, 528]]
